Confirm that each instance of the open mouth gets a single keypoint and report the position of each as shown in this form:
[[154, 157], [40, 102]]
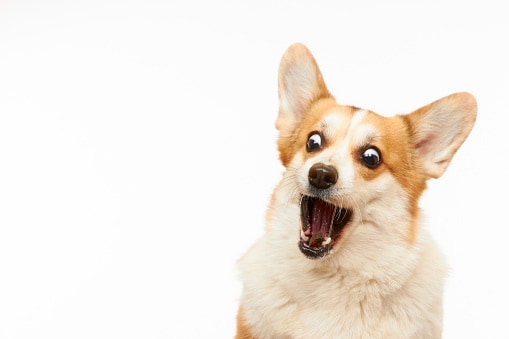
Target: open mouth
[[322, 224]]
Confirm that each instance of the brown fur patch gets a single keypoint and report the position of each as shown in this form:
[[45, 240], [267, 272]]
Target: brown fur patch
[[242, 328]]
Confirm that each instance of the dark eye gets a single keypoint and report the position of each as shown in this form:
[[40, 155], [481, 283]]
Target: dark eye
[[314, 142], [371, 157]]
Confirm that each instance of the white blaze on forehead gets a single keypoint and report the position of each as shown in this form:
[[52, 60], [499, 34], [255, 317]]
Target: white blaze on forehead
[[356, 119], [358, 116], [332, 123]]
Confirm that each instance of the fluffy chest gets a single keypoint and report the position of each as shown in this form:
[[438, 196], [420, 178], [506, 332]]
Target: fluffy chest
[[323, 302], [287, 296]]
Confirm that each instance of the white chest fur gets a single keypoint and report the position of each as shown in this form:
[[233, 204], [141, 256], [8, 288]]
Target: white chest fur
[[288, 295]]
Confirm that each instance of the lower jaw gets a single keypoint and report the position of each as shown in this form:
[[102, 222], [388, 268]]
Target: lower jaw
[[315, 253]]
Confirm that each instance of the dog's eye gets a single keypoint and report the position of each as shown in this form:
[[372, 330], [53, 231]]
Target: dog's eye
[[371, 157], [314, 142]]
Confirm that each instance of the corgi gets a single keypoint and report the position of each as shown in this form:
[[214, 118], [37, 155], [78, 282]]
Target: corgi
[[344, 254]]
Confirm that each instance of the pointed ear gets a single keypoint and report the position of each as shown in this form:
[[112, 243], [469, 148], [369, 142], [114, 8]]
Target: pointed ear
[[439, 129], [300, 83]]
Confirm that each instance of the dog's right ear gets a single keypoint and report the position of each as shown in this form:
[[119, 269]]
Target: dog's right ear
[[300, 83], [439, 129]]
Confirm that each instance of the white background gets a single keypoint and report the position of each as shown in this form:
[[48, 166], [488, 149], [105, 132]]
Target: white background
[[137, 152]]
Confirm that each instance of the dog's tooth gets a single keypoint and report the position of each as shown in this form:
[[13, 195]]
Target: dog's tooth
[[327, 241], [303, 236]]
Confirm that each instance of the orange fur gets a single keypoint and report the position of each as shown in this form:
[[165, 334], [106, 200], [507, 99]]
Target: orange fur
[[242, 327]]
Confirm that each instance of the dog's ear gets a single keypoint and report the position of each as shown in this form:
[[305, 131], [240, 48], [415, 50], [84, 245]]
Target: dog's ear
[[439, 129], [300, 83]]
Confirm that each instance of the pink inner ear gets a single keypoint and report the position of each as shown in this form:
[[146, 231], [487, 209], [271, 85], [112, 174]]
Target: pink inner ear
[[425, 146]]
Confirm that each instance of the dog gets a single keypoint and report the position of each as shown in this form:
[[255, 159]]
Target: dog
[[344, 254]]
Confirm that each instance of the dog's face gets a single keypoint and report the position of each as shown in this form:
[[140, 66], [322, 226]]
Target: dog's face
[[358, 176], [351, 166]]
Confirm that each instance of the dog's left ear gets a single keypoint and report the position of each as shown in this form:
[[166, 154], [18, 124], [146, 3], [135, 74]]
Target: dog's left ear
[[300, 83], [440, 128]]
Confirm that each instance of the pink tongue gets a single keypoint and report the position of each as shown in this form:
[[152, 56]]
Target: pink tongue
[[321, 216]]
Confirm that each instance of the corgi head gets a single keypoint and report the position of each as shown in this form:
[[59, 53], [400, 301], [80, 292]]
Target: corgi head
[[356, 175]]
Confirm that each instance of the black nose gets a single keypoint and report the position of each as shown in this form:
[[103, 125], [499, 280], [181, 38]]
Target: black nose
[[322, 176]]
